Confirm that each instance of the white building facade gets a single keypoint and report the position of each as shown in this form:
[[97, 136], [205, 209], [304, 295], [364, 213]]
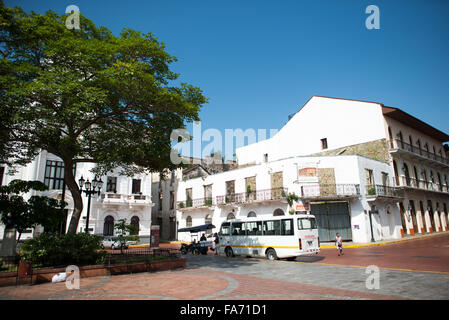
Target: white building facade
[[369, 171], [333, 188], [120, 197]]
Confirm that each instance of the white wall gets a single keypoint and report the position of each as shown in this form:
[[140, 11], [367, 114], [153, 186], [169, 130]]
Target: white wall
[[342, 122]]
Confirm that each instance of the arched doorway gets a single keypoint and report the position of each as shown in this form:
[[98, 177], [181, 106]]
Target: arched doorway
[[230, 216], [135, 222], [278, 212], [108, 228], [423, 217], [431, 216]]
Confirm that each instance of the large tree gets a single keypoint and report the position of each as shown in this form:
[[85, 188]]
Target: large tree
[[88, 96]]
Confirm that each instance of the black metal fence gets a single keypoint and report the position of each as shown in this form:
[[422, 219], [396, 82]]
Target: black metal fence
[[25, 273]]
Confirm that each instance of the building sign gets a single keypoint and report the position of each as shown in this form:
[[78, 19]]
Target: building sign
[[307, 172], [302, 206]]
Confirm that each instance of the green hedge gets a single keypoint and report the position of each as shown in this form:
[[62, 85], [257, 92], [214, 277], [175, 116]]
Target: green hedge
[[63, 250]]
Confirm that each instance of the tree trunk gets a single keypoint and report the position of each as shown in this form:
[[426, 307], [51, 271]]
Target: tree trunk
[[76, 195]]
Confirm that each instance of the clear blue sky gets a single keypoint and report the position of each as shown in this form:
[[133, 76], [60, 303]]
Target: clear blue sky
[[259, 61]]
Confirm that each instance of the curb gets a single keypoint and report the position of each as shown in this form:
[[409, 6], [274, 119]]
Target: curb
[[388, 242]]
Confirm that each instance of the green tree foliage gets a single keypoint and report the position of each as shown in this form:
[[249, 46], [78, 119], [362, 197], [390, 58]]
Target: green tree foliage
[[123, 230], [63, 250], [88, 96], [20, 214]]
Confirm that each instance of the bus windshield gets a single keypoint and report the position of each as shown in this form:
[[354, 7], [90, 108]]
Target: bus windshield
[[306, 223]]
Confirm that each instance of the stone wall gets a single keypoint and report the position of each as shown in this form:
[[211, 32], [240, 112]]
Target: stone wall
[[376, 149], [326, 180]]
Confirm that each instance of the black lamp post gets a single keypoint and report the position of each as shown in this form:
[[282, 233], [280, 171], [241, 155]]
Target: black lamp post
[[373, 210], [90, 189]]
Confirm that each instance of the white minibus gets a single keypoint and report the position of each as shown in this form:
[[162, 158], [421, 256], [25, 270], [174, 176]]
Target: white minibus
[[274, 237]]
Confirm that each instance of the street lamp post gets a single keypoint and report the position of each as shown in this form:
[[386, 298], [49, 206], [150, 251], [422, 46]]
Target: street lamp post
[[373, 210], [90, 189]]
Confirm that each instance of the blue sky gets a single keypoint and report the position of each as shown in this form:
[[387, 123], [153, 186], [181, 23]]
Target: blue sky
[[259, 61]]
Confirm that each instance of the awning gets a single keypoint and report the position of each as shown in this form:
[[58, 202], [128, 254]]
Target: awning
[[203, 227]]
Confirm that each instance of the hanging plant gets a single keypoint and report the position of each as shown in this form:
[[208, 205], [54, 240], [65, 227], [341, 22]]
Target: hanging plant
[[290, 198]]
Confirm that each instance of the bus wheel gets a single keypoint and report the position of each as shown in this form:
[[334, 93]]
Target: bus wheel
[[271, 255], [229, 252]]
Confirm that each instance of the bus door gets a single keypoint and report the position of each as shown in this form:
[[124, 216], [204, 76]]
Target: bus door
[[237, 239], [224, 237]]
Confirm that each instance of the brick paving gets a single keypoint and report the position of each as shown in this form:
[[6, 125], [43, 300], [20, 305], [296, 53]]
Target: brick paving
[[186, 284], [324, 276]]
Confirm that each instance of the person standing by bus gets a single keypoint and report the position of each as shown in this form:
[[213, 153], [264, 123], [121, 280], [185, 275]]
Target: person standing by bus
[[216, 242], [339, 244]]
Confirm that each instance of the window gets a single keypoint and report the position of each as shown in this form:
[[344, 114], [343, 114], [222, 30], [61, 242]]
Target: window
[[237, 229], [225, 229], [254, 228], [160, 201], [272, 228], [208, 220], [189, 221], [172, 200], [265, 157], [252, 214], [230, 216], [278, 212], [385, 179], [2, 172], [111, 184], [136, 186], [369, 177], [172, 179], [54, 174], [324, 143], [306, 223], [287, 227]]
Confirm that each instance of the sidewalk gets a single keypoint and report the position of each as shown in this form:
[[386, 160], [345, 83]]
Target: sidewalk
[[350, 244]]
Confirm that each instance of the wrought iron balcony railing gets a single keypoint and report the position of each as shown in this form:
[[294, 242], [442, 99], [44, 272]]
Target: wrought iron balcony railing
[[381, 190], [422, 184], [329, 190], [401, 145]]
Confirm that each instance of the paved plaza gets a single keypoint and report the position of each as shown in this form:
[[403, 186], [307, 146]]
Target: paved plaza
[[414, 269]]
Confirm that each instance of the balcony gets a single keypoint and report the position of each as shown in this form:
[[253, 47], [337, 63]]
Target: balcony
[[122, 199], [412, 183], [113, 198], [382, 191], [138, 199], [274, 194], [417, 153], [329, 191], [195, 203]]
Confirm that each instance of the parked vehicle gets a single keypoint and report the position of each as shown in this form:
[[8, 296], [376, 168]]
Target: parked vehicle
[[284, 237], [114, 243]]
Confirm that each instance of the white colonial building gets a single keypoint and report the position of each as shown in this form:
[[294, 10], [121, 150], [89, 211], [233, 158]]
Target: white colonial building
[[120, 197], [367, 171]]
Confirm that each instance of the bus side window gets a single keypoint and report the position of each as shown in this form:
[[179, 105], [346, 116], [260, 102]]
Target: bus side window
[[272, 228], [287, 227], [237, 229], [225, 230]]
